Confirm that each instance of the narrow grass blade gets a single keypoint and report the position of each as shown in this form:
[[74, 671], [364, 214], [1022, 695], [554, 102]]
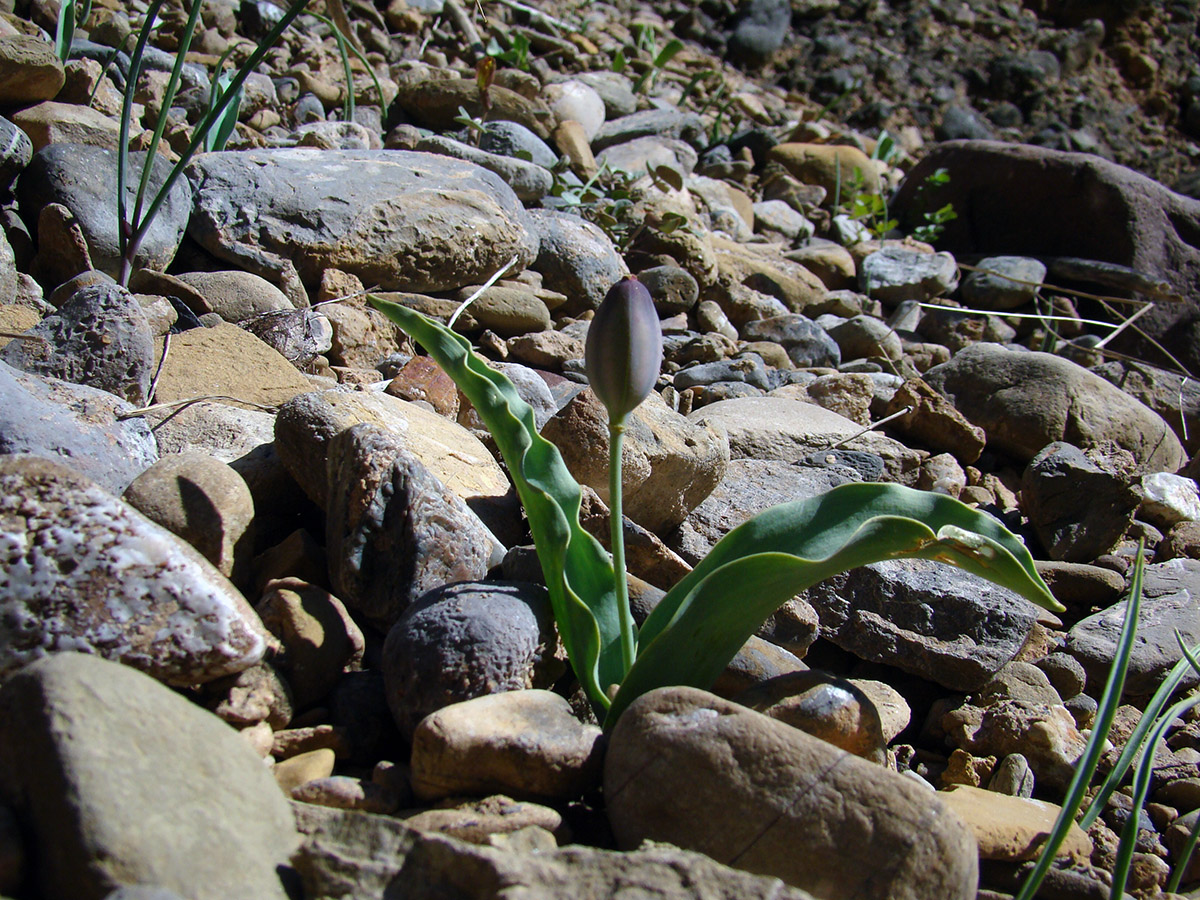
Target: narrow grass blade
[[1156, 705], [199, 133], [1141, 787], [1085, 767]]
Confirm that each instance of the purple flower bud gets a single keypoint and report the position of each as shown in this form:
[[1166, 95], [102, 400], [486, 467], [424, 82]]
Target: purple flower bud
[[624, 348]]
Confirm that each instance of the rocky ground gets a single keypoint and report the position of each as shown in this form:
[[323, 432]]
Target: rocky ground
[[270, 624]]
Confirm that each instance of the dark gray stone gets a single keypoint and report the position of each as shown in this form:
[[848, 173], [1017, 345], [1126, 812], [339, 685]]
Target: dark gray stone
[[529, 181], [1170, 603], [806, 342], [393, 530], [673, 289], [894, 274], [575, 258], [466, 640], [941, 623], [100, 337], [74, 424], [83, 178], [1003, 282], [662, 123], [513, 138], [748, 369], [962, 122], [397, 219], [761, 28], [16, 150], [1080, 505]]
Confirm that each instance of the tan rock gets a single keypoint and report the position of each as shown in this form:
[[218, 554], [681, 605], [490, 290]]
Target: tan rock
[[202, 500], [525, 744], [346, 792], [894, 711], [229, 361], [828, 165], [29, 70], [236, 295], [15, 319], [459, 460], [572, 142], [478, 820], [66, 123], [934, 422], [669, 465], [789, 282], [1013, 828], [319, 637], [546, 350], [830, 262], [303, 768]]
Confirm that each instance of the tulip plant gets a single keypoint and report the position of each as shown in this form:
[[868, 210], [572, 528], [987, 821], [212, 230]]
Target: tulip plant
[[703, 621]]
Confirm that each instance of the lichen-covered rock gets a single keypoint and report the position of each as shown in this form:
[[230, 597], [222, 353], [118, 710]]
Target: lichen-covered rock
[[83, 571], [100, 337]]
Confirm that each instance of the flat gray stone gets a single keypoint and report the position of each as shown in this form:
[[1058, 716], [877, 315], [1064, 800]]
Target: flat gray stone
[[1170, 602], [75, 424], [122, 781], [938, 622], [398, 219]]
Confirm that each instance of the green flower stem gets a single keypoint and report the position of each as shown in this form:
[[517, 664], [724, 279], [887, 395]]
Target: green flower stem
[[616, 438]]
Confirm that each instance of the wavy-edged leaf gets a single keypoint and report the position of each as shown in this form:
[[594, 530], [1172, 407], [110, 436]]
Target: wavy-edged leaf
[[579, 572], [702, 622]]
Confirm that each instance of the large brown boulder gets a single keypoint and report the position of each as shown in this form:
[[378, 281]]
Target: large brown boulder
[[1025, 200]]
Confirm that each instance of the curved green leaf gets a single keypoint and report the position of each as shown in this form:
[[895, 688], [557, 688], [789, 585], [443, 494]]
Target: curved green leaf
[[579, 572], [702, 622]]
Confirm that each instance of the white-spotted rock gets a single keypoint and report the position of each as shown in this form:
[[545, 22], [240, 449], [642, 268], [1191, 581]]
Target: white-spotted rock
[[83, 571]]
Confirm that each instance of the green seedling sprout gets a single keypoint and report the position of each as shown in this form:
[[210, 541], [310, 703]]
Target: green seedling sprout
[[702, 622]]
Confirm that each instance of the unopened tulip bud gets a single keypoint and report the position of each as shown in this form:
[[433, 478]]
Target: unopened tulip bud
[[624, 348]]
